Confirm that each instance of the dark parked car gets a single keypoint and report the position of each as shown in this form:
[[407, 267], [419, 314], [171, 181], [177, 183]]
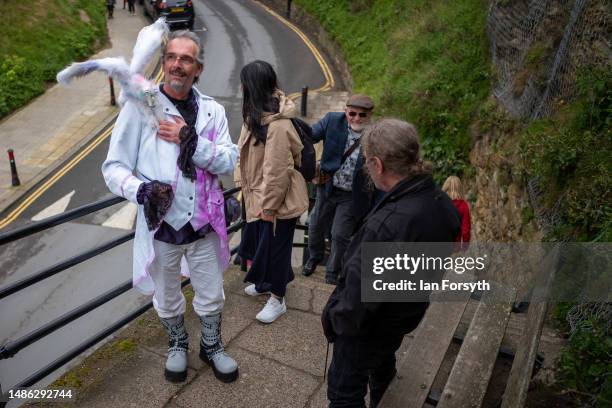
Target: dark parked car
[[177, 12]]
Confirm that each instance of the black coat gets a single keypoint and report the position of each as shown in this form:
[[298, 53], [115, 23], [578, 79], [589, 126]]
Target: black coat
[[416, 210]]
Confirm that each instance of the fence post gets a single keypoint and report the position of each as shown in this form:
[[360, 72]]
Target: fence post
[[304, 110], [112, 91], [14, 176], [288, 8]]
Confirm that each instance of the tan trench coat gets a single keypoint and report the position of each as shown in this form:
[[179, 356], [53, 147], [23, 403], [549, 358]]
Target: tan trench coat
[[267, 173]]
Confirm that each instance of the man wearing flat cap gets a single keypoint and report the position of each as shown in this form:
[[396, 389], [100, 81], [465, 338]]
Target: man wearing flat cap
[[342, 200]]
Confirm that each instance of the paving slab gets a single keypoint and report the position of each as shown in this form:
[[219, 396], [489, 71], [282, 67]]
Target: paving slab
[[319, 398], [262, 383], [319, 299], [136, 381], [294, 339], [298, 297]]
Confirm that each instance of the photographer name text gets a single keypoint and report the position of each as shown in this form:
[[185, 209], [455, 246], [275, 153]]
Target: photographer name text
[[421, 285]]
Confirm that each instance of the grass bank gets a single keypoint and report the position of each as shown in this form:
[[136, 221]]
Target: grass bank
[[425, 61], [39, 38]]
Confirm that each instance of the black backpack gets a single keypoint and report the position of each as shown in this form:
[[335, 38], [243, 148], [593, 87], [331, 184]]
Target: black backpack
[[309, 159]]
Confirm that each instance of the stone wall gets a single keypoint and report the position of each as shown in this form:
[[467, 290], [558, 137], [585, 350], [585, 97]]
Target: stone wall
[[501, 210]]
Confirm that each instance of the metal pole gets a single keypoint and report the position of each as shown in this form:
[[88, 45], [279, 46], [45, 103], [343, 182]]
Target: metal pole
[[304, 110], [14, 176], [288, 8], [112, 91]]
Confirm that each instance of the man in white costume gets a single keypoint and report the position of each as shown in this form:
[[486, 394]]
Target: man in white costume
[[171, 172]]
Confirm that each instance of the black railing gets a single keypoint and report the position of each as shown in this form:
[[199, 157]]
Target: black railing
[[10, 349], [61, 266], [47, 223]]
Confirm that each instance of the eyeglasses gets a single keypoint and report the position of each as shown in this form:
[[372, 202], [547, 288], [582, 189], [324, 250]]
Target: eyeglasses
[[361, 114], [182, 59]]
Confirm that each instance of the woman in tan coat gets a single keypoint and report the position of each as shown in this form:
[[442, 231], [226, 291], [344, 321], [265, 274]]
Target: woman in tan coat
[[274, 191]]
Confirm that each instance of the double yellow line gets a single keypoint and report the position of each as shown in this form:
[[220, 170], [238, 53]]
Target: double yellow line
[[49, 182], [16, 212], [329, 78]]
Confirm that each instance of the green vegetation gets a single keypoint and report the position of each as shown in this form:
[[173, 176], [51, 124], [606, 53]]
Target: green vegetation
[[584, 366], [40, 38], [569, 154], [422, 61]]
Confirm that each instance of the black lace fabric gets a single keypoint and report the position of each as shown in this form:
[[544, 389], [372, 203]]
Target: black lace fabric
[[156, 197], [189, 143]]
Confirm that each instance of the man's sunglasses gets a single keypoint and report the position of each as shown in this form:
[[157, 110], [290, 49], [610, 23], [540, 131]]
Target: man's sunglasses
[[361, 114]]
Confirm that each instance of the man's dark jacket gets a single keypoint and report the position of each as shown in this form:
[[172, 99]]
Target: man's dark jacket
[[333, 130], [415, 210]]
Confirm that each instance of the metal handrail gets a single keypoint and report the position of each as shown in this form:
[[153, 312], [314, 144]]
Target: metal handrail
[[10, 349], [39, 226], [57, 268], [67, 357], [61, 266], [55, 220]]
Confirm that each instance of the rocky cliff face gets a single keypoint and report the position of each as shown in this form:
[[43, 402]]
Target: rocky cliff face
[[495, 185], [499, 201]]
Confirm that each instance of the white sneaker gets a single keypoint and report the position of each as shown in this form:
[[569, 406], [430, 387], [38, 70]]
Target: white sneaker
[[272, 310], [251, 291]]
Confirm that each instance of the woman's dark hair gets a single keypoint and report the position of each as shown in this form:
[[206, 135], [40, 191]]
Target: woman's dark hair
[[259, 85]]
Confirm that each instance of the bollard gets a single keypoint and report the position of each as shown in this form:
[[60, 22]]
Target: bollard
[[288, 9], [112, 91], [14, 177], [304, 110]]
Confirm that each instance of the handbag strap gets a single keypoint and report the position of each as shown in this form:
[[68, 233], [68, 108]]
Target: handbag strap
[[350, 151]]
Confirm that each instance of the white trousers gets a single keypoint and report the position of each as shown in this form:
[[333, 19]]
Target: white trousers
[[205, 272]]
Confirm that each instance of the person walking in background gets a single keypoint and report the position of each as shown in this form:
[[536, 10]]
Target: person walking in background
[[452, 186], [274, 191], [342, 196], [171, 171], [366, 335], [110, 7], [131, 7]]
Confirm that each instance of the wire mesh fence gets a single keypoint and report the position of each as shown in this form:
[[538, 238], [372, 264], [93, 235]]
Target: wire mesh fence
[[538, 48]]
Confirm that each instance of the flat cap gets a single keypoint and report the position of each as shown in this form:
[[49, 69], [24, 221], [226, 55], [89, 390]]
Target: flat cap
[[360, 101]]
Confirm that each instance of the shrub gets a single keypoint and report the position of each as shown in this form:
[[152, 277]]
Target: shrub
[[42, 40]]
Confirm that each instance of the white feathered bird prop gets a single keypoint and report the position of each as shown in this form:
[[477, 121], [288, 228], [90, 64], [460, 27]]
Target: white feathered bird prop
[[134, 86]]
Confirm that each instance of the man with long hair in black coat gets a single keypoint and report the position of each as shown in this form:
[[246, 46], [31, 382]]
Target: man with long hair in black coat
[[366, 335]]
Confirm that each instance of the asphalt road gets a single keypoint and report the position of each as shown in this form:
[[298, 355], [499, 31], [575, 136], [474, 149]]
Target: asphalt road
[[234, 33]]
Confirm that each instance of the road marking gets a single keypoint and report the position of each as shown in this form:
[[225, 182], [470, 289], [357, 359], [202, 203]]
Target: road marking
[[54, 178], [124, 218], [329, 78], [27, 201], [57, 207]]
